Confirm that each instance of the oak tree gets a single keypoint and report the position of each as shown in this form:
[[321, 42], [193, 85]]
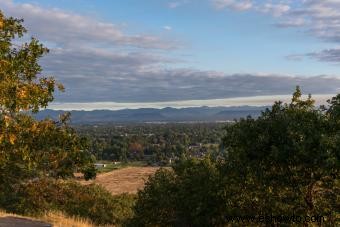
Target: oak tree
[[31, 148]]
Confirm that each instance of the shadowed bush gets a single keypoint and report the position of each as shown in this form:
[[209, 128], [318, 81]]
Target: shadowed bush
[[92, 202]]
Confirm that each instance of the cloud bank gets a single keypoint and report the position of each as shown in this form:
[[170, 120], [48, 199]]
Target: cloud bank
[[244, 101], [66, 29], [101, 62]]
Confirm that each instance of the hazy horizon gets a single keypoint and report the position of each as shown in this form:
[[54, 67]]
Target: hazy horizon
[[231, 102]]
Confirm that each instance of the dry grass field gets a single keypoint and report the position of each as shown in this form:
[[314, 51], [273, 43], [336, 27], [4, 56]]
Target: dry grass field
[[49, 219], [125, 180]]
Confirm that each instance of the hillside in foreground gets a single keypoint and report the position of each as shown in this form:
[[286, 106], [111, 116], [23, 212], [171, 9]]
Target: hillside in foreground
[[50, 219]]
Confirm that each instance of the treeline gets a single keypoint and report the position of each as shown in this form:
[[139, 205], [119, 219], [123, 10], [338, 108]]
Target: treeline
[[153, 143]]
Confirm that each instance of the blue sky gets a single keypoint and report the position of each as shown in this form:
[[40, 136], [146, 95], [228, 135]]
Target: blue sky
[[212, 39], [171, 50]]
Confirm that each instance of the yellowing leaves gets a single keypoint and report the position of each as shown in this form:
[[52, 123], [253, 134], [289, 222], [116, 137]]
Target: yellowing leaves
[[34, 127], [27, 142], [7, 120], [1, 22], [12, 138], [3, 62], [22, 93]]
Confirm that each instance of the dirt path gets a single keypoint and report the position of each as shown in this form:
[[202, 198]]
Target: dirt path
[[126, 180], [21, 222]]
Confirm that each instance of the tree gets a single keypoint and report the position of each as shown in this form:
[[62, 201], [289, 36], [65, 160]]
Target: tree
[[136, 150], [288, 154], [31, 148]]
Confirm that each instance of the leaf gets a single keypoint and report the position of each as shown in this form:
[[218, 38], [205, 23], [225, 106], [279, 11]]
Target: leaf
[[12, 138], [22, 93], [1, 23], [61, 87], [7, 120]]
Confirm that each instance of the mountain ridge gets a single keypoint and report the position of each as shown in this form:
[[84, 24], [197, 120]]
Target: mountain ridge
[[167, 114]]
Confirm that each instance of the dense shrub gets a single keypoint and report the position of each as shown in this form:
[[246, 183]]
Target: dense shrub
[[156, 203], [189, 195], [201, 193], [92, 201]]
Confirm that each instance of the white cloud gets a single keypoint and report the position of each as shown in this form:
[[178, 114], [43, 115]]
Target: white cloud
[[295, 57], [274, 9], [239, 5], [328, 55], [176, 4], [317, 18], [228, 102], [99, 62], [167, 27], [173, 5], [291, 22], [139, 84], [67, 29], [320, 18]]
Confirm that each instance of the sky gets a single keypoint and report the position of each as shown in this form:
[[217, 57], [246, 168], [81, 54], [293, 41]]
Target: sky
[[155, 53]]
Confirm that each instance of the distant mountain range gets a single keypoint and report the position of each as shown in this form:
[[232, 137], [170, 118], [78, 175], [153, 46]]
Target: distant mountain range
[[195, 114]]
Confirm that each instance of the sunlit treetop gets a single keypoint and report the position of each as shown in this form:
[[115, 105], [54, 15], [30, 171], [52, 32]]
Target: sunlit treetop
[[31, 148], [22, 86]]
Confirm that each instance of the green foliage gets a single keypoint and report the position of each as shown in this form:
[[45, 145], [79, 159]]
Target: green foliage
[[155, 205], [155, 144], [30, 148], [286, 151], [188, 195], [286, 162], [20, 87], [92, 202], [89, 172]]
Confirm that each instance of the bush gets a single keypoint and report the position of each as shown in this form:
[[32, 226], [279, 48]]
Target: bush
[[190, 195], [92, 202]]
